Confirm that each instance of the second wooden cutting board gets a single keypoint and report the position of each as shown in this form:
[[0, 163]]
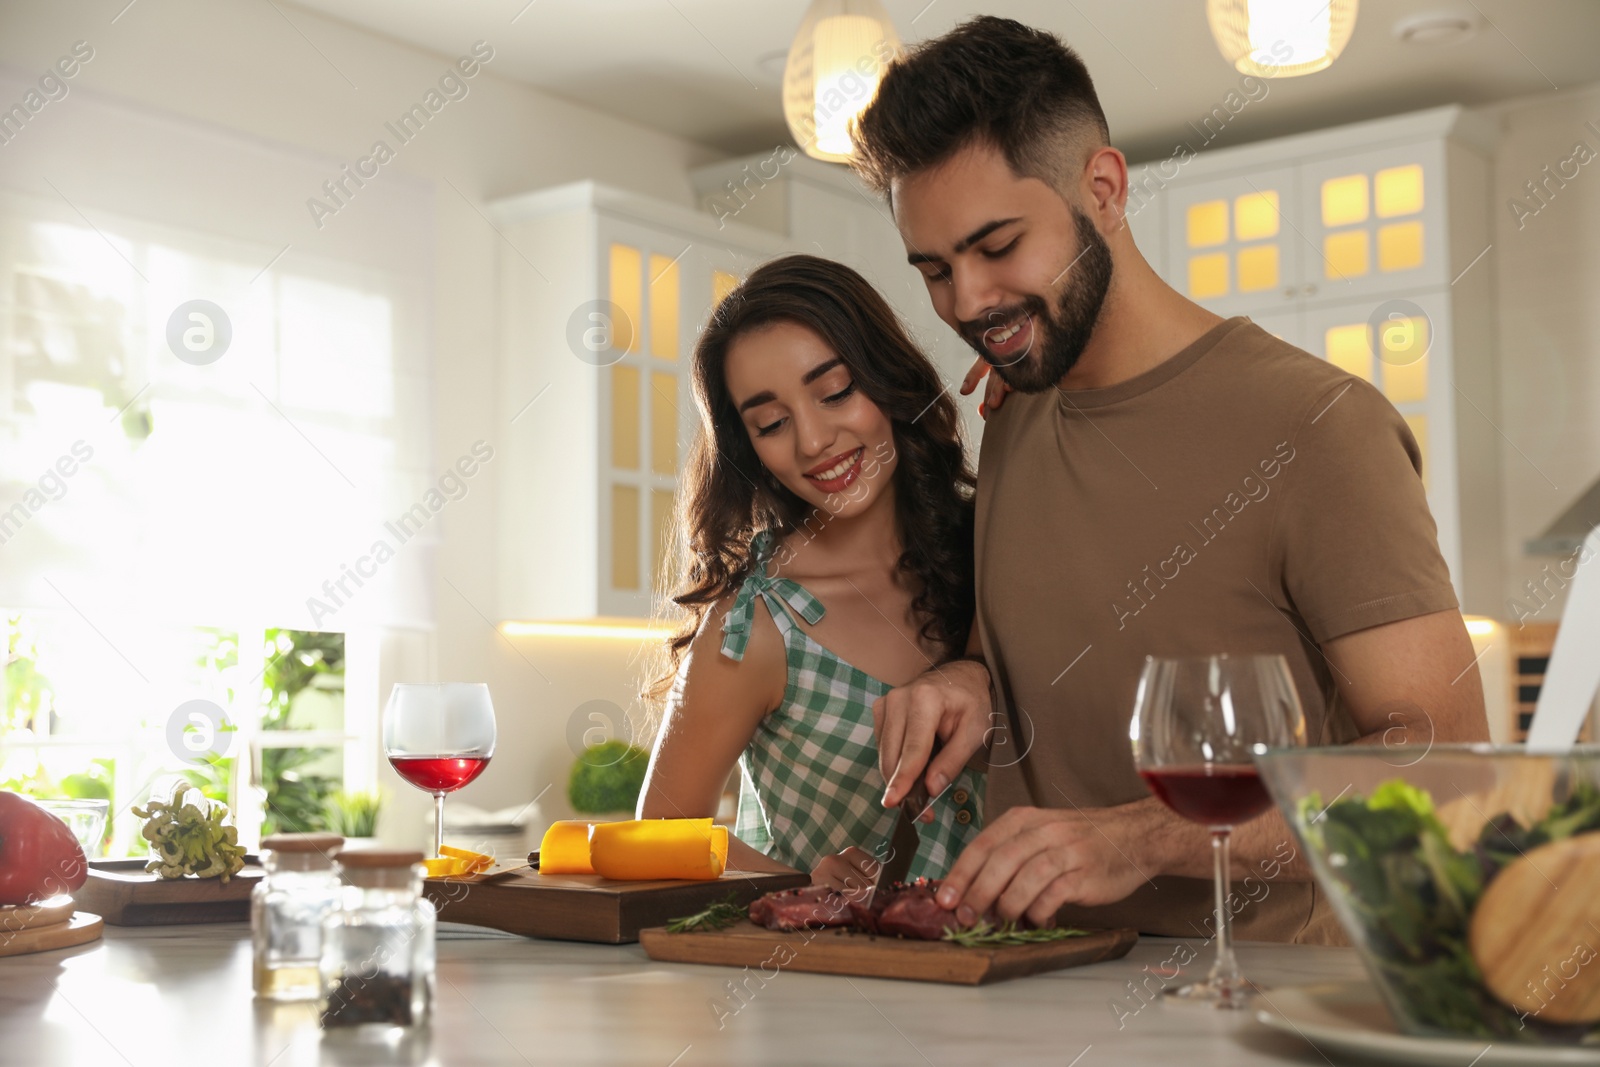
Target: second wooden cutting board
[[587, 907], [869, 956], [126, 895]]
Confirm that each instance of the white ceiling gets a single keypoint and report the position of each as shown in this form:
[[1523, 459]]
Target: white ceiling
[[695, 68]]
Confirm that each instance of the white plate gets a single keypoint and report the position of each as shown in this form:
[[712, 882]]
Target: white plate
[[1350, 1017]]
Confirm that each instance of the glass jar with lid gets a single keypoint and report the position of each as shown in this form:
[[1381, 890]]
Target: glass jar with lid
[[378, 945], [287, 907]]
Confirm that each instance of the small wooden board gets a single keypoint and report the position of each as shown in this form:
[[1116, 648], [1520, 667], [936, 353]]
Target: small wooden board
[[587, 907], [126, 895], [14, 917], [1536, 920], [78, 930], [838, 951]]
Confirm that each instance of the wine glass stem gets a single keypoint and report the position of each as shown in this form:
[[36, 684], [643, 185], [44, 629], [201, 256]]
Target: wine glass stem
[[1225, 977], [438, 824]]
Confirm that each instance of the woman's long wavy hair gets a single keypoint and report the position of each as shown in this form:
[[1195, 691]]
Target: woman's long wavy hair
[[728, 496]]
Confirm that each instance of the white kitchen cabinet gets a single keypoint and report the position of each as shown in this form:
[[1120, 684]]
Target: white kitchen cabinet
[[1249, 232], [602, 296], [1380, 227]]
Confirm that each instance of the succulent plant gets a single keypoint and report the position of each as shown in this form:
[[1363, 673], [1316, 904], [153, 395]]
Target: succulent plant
[[187, 836]]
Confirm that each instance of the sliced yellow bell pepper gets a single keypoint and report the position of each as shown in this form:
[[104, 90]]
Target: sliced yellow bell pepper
[[476, 861], [565, 849], [445, 867], [636, 849], [647, 849]]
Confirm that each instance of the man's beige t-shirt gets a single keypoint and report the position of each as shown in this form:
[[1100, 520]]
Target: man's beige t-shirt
[[1242, 497]]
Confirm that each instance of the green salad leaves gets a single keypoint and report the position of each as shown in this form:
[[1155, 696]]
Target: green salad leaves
[[1412, 894]]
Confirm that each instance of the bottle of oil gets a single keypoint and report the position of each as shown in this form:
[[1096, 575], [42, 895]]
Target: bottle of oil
[[287, 907]]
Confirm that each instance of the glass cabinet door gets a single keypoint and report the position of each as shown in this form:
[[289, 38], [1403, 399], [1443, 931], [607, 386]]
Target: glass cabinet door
[[642, 277], [1374, 221], [1231, 242], [661, 288]]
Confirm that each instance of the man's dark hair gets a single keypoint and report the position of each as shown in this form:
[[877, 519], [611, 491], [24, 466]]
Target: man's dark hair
[[988, 80]]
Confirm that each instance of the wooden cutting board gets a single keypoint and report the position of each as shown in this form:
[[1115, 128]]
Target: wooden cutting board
[[587, 907], [126, 895], [849, 952], [79, 929]]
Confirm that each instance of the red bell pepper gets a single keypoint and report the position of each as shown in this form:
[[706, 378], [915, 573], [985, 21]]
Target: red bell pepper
[[39, 856]]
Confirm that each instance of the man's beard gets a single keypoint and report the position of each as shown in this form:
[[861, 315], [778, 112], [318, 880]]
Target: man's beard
[[1066, 333]]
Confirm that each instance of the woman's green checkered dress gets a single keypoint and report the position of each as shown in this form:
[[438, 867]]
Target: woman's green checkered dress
[[809, 779]]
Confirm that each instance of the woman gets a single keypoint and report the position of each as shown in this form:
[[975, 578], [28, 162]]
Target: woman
[[827, 519]]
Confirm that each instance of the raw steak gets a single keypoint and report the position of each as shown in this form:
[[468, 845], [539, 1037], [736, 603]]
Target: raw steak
[[911, 911], [902, 910], [809, 907]]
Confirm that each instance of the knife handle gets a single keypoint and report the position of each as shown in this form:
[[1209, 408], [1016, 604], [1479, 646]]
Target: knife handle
[[917, 800]]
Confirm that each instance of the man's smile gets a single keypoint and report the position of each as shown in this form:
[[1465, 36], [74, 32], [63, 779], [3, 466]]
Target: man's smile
[[1006, 344]]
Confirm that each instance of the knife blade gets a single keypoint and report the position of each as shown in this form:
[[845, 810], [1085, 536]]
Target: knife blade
[[906, 840]]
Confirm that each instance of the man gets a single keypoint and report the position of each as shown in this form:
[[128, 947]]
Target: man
[[1159, 481]]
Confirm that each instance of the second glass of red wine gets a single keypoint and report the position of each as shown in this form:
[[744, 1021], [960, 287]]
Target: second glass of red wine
[[1197, 725], [439, 736]]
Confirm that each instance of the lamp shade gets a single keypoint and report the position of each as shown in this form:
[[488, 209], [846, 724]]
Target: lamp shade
[[838, 56], [1281, 38]]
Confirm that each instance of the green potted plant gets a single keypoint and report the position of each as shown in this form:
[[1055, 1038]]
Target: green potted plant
[[606, 780], [352, 815]]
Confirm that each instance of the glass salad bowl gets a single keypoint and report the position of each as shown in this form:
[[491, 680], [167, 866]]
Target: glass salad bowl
[[1466, 876]]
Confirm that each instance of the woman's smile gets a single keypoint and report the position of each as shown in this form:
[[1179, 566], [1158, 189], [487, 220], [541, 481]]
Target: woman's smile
[[835, 475]]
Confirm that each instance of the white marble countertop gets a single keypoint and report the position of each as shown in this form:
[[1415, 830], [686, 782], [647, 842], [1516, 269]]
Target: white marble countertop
[[181, 995]]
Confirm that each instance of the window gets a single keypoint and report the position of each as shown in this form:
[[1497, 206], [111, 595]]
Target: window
[[166, 524], [72, 729]]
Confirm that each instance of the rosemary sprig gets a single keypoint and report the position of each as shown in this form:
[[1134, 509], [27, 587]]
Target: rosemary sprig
[[719, 916], [1008, 933]]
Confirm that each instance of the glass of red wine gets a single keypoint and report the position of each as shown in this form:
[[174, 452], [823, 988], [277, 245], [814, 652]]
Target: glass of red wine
[[438, 736], [1197, 725]]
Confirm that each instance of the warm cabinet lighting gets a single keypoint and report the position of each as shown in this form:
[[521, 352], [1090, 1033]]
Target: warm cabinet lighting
[[1478, 626], [1255, 215], [1354, 207], [838, 55], [1208, 223], [1398, 190], [1208, 275], [1344, 200], [1281, 38], [1258, 268], [1349, 348]]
